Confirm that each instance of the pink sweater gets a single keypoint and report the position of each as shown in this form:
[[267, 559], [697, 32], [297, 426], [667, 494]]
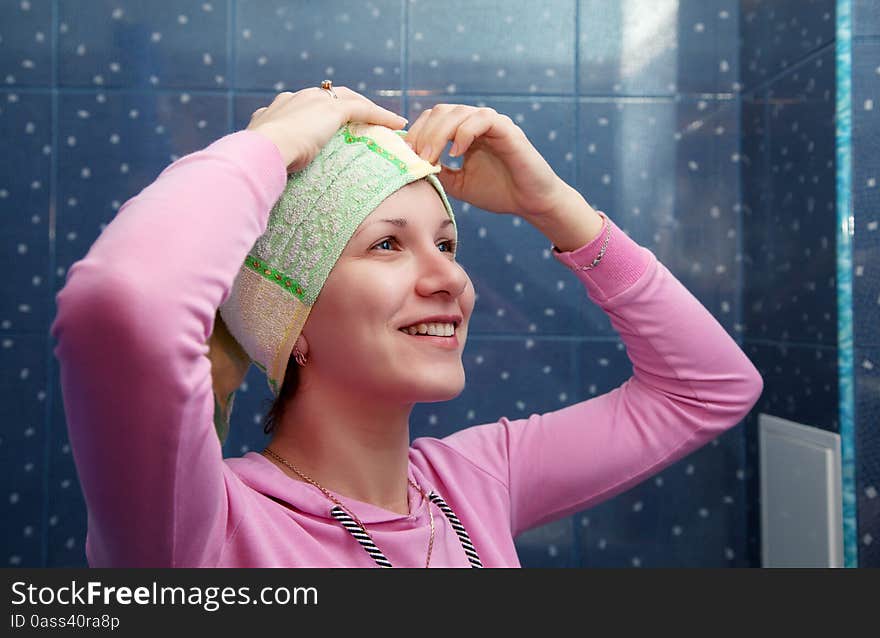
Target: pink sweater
[[133, 320]]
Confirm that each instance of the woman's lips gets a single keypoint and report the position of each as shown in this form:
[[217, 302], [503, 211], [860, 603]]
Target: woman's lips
[[450, 343]]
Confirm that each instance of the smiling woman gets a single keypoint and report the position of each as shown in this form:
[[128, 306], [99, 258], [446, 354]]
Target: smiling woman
[[320, 246], [416, 287], [320, 211]]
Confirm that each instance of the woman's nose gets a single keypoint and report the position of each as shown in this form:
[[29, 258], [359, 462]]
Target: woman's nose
[[440, 273]]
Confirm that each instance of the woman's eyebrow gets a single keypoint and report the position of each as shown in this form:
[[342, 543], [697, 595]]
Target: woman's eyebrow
[[400, 222]]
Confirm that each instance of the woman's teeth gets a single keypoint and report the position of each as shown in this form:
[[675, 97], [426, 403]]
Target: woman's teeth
[[435, 329]]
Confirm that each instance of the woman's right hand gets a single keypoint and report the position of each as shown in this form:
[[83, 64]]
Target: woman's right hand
[[301, 123]]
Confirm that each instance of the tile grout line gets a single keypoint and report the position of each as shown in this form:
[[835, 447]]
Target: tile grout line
[[231, 26], [404, 56], [577, 550], [51, 283]]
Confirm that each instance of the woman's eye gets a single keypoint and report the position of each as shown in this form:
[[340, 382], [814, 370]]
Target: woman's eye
[[449, 243], [387, 240]]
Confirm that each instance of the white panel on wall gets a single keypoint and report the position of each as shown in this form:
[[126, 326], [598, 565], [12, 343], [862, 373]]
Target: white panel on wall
[[801, 508]]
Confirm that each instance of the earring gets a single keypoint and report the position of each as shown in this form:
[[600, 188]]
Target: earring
[[301, 359]]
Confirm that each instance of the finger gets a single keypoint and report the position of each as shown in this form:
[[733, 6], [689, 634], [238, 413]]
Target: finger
[[425, 143], [441, 129], [282, 97], [361, 109], [412, 135], [452, 180], [477, 124], [275, 104]]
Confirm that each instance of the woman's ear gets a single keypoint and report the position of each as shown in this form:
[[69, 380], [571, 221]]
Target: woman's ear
[[302, 344]]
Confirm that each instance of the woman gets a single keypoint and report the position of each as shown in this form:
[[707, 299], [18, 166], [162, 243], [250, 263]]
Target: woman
[[140, 346]]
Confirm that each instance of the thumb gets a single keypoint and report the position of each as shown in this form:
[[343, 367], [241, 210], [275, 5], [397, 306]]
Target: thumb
[[452, 181]]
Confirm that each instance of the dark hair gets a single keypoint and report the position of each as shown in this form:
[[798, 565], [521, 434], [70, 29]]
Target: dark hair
[[288, 389]]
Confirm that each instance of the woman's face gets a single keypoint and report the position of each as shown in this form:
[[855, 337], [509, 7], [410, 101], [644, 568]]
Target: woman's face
[[393, 275]]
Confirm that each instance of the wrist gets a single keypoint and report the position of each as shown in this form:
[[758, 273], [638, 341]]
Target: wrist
[[264, 131], [570, 223]]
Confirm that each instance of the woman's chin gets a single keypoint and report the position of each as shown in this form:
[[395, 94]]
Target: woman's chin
[[443, 396], [432, 391]]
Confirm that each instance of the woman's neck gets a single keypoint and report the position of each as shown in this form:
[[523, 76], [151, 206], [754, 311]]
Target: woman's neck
[[351, 447]]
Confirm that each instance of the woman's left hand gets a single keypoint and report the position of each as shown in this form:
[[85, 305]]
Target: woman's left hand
[[501, 171]]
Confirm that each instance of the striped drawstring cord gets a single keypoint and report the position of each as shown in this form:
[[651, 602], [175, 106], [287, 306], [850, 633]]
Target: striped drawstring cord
[[463, 537], [370, 547], [360, 536]]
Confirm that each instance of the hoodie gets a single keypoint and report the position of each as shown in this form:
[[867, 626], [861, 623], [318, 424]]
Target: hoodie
[[132, 326]]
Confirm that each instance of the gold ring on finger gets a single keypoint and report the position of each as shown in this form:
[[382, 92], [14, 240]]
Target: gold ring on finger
[[327, 85]]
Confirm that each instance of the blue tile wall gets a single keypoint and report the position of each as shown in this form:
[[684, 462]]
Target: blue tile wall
[[178, 44], [23, 442], [789, 298], [866, 361], [866, 190], [866, 283], [649, 47], [288, 44], [27, 47], [865, 22], [790, 293], [643, 105], [65, 506], [97, 171], [459, 46], [25, 197], [775, 34]]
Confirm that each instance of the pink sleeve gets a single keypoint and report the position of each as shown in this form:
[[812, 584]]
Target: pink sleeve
[[690, 383], [133, 320]]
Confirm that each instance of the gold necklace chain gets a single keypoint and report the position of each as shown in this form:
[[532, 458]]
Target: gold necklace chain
[[350, 513]]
